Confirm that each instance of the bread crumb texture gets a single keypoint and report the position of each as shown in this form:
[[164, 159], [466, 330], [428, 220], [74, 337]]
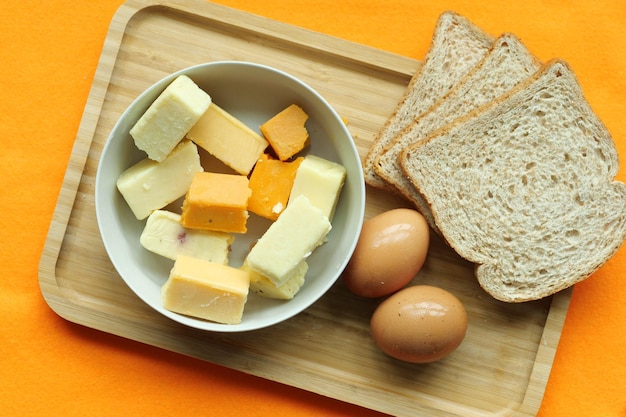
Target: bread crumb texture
[[525, 187]]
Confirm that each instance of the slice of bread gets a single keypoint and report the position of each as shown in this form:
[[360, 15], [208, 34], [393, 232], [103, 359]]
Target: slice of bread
[[507, 63], [525, 187], [457, 46]]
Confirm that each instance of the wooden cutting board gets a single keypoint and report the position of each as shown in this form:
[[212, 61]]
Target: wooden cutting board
[[502, 366]]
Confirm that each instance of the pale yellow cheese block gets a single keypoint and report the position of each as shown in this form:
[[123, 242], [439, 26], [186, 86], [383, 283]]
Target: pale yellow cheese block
[[206, 290], [288, 241], [149, 185], [228, 139], [165, 236], [321, 181], [262, 286], [170, 117]]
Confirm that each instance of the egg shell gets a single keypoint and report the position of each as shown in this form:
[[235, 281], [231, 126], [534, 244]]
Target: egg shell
[[391, 250], [419, 324]]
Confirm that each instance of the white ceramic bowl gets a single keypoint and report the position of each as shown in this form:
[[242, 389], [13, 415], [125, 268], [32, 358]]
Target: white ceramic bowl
[[253, 93]]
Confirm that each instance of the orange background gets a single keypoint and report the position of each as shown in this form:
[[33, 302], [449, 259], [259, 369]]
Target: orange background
[[49, 52]]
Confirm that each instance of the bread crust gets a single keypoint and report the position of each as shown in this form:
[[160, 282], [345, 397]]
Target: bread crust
[[454, 36], [507, 63], [524, 187]]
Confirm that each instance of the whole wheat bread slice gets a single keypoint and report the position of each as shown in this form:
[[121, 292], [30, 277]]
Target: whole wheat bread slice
[[525, 187], [457, 46], [507, 63]]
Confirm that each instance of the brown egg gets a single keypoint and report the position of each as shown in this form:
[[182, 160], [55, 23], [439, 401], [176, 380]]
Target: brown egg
[[419, 324], [391, 250]]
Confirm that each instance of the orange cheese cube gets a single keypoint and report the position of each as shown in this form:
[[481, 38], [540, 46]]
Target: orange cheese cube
[[217, 202], [271, 183], [286, 132]]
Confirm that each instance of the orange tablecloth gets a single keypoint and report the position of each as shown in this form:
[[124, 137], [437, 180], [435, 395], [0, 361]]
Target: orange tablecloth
[[49, 53]]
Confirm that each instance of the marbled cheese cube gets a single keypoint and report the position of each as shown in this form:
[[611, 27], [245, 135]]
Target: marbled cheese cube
[[166, 236]]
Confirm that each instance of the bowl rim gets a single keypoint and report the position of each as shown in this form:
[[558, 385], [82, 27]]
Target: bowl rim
[[156, 88]]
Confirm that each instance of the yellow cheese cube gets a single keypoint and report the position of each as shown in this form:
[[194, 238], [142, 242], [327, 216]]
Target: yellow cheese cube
[[286, 132], [264, 287], [149, 185], [169, 117], [217, 202], [228, 139], [271, 182], [206, 290]]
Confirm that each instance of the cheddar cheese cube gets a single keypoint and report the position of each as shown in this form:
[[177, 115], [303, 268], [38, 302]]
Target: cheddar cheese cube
[[271, 182], [169, 117], [206, 290], [228, 139], [286, 132], [217, 202]]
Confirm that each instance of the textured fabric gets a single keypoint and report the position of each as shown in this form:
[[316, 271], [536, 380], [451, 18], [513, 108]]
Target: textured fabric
[[48, 54]]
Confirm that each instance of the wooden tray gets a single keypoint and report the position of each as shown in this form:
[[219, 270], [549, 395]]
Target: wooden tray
[[500, 369]]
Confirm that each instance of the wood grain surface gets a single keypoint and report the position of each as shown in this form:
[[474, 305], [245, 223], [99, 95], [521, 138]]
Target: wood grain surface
[[500, 369]]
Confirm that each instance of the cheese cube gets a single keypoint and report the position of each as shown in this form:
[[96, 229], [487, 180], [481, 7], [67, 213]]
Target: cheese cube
[[288, 241], [271, 182], [217, 202], [321, 181], [150, 185], [169, 117], [286, 132], [206, 290], [165, 236], [262, 286], [228, 139]]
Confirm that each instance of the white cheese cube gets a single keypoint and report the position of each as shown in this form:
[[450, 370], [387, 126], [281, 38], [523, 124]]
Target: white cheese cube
[[149, 185], [299, 229], [262, 286], [170, 117], [321, 181]]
